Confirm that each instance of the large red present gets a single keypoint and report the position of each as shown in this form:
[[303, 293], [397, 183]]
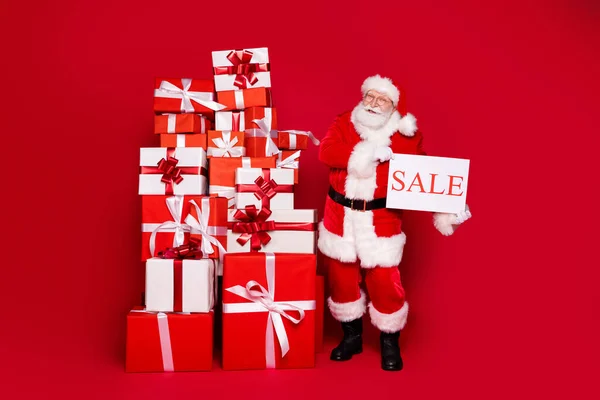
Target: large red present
[[260, 142], [222, 173], [267, 114], [225, 144], [268, 311], [245, 98], [181, 123], [167, 221], [185, 96], [164, 342], [241, 69]]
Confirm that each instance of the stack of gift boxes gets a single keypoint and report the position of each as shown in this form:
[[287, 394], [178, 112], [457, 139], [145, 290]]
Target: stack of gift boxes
[[218, 205]]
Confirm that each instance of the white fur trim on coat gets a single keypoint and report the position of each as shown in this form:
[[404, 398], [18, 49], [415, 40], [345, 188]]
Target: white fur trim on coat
[[346, 312], [362, 161], [389, 323], [408, 125], [335, 246], [383, 85], [361, 242], [443, 222]]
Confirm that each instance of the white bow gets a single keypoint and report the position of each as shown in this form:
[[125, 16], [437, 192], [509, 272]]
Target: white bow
[[168, 90]]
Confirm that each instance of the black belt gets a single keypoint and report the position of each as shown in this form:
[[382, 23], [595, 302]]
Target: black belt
[[359, 205]]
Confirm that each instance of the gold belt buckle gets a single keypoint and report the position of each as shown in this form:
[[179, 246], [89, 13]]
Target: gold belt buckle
[[364, 207]]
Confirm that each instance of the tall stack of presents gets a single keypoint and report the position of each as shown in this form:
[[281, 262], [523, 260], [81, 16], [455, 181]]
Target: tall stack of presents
[[228, 258]]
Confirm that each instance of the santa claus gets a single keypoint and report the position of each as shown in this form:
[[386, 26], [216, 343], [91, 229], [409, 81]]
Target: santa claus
[[359, 235]]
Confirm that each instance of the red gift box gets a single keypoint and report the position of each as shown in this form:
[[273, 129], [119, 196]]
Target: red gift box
[[268, 114], [168, 220], [245, 98], [319, 313], [185, 96], [289, 159], [163, 342], [180, 123], [268, 311], [225, 143], [295, 140]]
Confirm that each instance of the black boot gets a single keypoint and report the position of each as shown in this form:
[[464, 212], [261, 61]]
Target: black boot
[[390, 351], [351, 344]]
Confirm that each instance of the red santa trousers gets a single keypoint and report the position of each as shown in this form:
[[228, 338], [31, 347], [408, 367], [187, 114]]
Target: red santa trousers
[[387, 307]]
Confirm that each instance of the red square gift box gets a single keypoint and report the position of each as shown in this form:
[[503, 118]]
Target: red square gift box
[[168, 221], [184, 140], [222, 174], [245, 98], [268, 311], [185, 96], [181, 123], [225, 144], [241, 69], [164, 342]]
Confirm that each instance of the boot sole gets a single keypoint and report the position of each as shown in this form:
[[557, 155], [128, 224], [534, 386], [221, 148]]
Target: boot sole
[[346, 359]]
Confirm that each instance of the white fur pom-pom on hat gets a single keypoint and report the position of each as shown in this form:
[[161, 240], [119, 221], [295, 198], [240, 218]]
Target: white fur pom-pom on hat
[[383, 85]]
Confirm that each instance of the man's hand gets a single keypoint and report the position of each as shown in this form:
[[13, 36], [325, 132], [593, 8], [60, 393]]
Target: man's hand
[[383, 154], [448, 223]]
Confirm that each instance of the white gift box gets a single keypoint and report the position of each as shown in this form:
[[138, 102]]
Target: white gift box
[[197, 280], [256, 59], [274, 190], [230, 121], [295, 231], [191, 161]]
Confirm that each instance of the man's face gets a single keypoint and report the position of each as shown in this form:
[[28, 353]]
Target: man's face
[[377, 102], [374, 110]]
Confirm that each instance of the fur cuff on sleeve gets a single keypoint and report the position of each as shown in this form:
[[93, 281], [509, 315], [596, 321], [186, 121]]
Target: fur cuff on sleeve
[[443, 222], [362, 160]]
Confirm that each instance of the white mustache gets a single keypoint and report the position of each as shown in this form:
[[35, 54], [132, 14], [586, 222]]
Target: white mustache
[[375, 110]]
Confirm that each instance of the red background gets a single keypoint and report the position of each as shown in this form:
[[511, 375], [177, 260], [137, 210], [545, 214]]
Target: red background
[[507, 306]]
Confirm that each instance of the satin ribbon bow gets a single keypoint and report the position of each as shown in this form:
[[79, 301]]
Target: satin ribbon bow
[[175, 207], [200, 227], [171, 174], [266, 188], [277, 310], [167, 89], [244, 73], [263, 130], [226, 147], [190, 250], [253, 226]]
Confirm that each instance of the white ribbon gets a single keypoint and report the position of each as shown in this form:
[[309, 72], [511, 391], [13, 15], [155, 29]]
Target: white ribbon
[[170, 91], [180, 140], [294, 133], [246, 162], [239, 99], [224, 191], [262, 300], [200, 226], [171, 122], [175, 207], [226, 147], [165, 339], [263, 131], [288, 162]]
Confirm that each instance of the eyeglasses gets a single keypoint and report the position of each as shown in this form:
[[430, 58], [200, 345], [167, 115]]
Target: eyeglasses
[[380, 101]]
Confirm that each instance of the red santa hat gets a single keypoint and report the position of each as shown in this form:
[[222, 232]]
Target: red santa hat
[[408, 122]]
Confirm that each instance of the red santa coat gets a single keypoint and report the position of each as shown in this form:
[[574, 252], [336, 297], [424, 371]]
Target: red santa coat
[[374, 237]]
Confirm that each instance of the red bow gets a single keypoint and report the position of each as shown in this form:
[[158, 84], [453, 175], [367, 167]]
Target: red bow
[[267, 189], [254, 226], [190, 250], [242, 68], [170, 171]]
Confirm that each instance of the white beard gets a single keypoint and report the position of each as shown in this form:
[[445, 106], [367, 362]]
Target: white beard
[[371, 120]]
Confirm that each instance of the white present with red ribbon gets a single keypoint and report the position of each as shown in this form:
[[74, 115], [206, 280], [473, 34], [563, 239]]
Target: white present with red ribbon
[[241, 69], [272, 188], [277, 231], [173, 170], [230, 121]]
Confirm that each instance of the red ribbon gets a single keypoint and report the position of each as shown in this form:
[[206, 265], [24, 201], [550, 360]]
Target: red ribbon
[[171, 174], [267, 188], [253, 226], [235, 120], [244, 71]]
